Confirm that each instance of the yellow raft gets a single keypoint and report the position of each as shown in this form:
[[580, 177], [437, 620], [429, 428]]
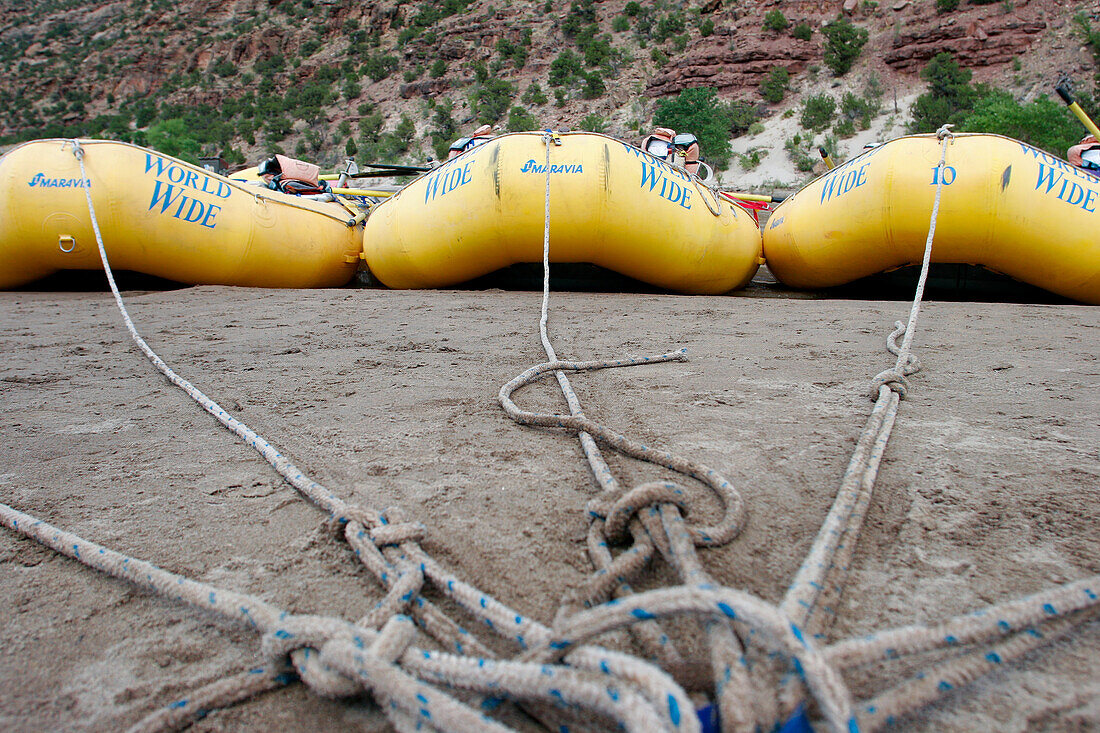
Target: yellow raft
[[611, 205], [162, 216], [1004, 205]]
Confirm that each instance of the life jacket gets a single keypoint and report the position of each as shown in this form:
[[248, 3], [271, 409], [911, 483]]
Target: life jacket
[[682, 149], [298, 177], [481, 136], [1086, 155]]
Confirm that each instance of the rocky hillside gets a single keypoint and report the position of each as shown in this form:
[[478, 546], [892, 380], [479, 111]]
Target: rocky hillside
[[390, 80]]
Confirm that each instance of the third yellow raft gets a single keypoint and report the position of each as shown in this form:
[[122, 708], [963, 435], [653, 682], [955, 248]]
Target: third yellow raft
[[1004, 205]]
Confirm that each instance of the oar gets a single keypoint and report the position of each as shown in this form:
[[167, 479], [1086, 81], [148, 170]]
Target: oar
[[375, 193], [827, 158], [1067, 97], [384, 170], [752, 197]]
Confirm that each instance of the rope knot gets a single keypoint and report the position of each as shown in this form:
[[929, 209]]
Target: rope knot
[[317, 647], [392, 529], [622, 510], [347, 513], [394, 534], [893, 379], [298, 640], [945, 132]]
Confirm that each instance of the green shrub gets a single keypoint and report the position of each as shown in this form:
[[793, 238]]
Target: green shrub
[[379, 66], [1043, 123], [224, 67], [492, 99], [592, 123], [444, 128], [1091, 36], [534, 94], [565, 69], [594, 87], [668, 26], [817, 112], [946, 6], [580, 19], [620, 24], [519, 120], [439, 68], [699, 111], [632, 8], [859, 110], [774, 87], [843, 44], [597, 51], [949, 98], [774, 20], [706, 28], [172, 137], [659, 57], [796, 152]]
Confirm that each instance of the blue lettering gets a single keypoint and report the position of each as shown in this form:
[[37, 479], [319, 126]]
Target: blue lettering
[[165, 199], [685, 200], [949, 175], [442, 183], [179, 209], [40, 181], [211, 212], [1079, 192], [1090, 198], [151, 160], [1050, 180], [191, 210], [176, 169], [652, 177]]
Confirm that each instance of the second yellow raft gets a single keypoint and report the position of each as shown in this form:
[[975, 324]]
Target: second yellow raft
[[611, 205], [1004, 205]]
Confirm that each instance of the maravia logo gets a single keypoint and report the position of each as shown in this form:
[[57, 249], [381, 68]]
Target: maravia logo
[[41, 181], [532, 167]]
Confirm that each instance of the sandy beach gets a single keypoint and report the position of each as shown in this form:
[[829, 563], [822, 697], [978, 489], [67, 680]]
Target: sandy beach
[[990, 487]]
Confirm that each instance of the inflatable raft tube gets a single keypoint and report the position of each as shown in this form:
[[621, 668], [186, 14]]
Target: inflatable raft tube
[[1005, 205], [611, 205], [164, 217]]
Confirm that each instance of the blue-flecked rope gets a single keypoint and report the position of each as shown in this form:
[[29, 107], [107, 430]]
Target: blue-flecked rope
[[328, 652], [616, 512]]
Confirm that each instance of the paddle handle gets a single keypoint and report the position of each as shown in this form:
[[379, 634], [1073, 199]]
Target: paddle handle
[[1067, 97]]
